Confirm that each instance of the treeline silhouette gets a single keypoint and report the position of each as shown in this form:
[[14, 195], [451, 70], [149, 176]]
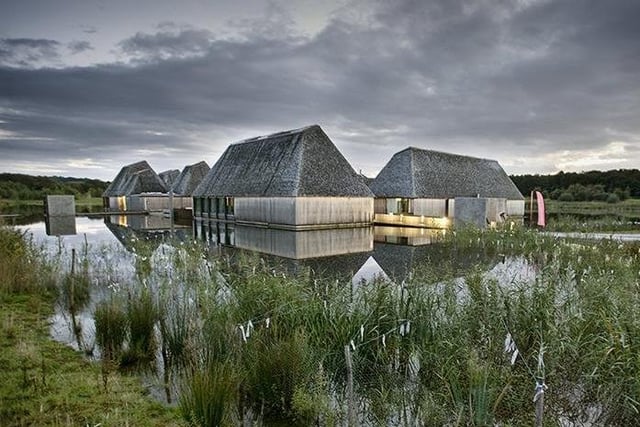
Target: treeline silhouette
[[28, 187], [610, 186]]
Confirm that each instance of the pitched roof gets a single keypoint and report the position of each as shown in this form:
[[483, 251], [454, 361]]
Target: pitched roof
[[135, 178], [190, 177], [418, 173], [169, 177], [301, 162]]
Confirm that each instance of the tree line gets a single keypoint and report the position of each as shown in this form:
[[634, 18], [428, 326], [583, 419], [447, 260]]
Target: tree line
[[610, 186], [28, 187]]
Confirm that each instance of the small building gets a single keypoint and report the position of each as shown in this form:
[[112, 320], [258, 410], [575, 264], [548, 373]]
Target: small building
[[136, 188], [183, 187], [189, 179], [295, 179], [169, 177], [419, 187]]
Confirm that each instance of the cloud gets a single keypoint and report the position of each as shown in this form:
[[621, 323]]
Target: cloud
[[167, 44], [519, 81], [28, 53], [77, 46]]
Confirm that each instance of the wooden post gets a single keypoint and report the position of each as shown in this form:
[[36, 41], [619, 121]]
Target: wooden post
[[351, 412], [531, 210], [72, 279], [539, 401]]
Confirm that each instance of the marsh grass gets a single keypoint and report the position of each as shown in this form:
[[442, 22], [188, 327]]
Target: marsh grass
[[18, 262], [209, 395], [251, 341], [43, 382], [142, 314], [111, 329]]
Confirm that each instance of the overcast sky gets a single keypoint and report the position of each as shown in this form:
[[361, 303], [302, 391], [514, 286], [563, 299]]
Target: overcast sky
[[87, 86]]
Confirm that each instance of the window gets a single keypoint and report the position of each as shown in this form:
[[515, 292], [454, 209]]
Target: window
[[228, 205], [403, 206]]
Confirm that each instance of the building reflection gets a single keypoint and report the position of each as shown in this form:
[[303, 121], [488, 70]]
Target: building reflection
[[360, 254]]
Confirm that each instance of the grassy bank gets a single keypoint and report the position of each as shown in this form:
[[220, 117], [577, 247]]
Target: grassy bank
[[593, 216], [43, 382], [17, 203], [246, 342]]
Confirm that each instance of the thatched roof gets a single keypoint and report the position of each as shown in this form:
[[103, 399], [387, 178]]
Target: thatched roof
[[301, 162], [190, 177], [169, 177], [135, 178], [417, 173]]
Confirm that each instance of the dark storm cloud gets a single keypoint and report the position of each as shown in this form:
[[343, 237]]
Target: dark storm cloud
[[167, 44], [77, 46], [23, 52], [492, 79]]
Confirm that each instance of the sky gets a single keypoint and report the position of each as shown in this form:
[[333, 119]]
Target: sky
[[88, 86]]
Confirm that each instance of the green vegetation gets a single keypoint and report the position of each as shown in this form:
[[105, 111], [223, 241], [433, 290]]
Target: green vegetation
[[241, 341], [253, 344], [584, 186], [43, 382], [27, 187], [592, 217]]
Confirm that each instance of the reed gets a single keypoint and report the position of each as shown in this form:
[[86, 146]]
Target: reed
[[111, 328], [142, 315], [209, 396], [18, 262]]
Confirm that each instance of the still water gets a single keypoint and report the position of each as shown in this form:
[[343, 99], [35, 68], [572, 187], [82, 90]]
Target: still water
[[116, 248]]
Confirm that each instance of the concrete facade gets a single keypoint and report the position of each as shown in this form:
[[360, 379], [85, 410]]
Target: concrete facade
[[60, 206], [470, 211]]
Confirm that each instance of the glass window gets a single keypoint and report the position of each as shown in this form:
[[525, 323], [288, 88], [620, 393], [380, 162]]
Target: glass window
[[229, 205]]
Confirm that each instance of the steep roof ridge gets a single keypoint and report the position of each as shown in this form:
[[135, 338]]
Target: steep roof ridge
[[300, 157], [448, 154], [274, 135], [294, 142], [412, 175]]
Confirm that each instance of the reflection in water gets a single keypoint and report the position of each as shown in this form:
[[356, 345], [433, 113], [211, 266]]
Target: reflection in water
[[411, 236], [60, 225], [154, 229], [304, 244]]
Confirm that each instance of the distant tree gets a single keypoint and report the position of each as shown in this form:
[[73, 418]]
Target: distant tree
[[613, 198], [566, 197], [628, 179]]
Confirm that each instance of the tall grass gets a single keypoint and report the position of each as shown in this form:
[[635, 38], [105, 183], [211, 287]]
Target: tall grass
[[142, 315], [18, 262], [111, 328], [249, 340]]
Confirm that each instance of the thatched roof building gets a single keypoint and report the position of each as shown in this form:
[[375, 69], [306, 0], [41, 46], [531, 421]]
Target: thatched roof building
[[422, 184], [417, 173], [169, 177], [300, 162], [190, 177], [136, 178], [295, 178]]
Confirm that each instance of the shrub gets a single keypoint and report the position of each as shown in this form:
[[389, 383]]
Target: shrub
[[613, 198], [566, 197]]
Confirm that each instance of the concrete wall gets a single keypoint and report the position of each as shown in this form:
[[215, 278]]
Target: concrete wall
[[470, 211], [494, 208], [304, 211], [60, 206], [280, 210], [430, 207], [515, 207], [333, 210], [380, 206]]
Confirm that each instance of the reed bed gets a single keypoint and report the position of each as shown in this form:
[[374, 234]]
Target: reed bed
[[463, 340]]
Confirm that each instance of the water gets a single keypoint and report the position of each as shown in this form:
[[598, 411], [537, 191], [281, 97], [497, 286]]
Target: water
[[117, 248]]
